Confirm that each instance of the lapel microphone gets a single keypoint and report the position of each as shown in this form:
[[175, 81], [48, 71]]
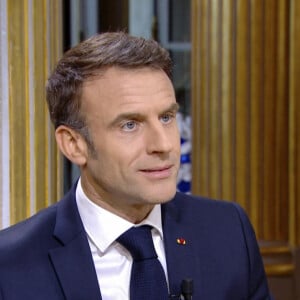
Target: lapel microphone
[[187, 289]]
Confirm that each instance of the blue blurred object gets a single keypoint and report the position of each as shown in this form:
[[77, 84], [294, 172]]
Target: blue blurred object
[[184, 174]]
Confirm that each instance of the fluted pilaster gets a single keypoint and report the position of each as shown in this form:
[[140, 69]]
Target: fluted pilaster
[[245, 104], [31, 43]]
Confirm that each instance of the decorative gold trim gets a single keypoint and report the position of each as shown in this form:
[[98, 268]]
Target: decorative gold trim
[[195, 91], [18, 105], [278, 259], [246, 116], [55, 40], [275, 250], [240, 109], [279, 270], [294, 125], [35, 44]]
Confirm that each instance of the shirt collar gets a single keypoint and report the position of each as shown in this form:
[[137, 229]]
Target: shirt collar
[[97, 221]]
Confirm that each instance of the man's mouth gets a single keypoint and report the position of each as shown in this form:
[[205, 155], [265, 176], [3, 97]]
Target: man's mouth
[[159, 172]]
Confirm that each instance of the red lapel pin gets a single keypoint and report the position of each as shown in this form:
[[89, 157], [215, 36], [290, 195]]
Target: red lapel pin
[[181, 241]]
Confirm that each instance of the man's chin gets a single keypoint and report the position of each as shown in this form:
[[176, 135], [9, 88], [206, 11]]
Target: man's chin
[[164, 196]]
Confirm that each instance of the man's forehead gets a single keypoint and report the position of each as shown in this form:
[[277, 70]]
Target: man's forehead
[[129, 83]]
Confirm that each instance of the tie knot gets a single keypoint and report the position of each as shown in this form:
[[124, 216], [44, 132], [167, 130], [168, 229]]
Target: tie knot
[[138, 241]]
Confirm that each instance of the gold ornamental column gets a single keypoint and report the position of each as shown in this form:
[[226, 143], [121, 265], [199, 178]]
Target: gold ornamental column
[[245, 104], [294, 138], [294, 124], [32, 43]]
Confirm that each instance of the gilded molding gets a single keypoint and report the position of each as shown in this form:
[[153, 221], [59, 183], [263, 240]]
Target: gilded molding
[[245, 115], [279, 269], [35, 44], [294, 125]]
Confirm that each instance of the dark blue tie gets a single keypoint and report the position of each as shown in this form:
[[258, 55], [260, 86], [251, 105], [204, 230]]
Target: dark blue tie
[[148, 281]]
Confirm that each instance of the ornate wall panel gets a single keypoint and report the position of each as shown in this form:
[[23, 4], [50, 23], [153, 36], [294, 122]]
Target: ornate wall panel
[[34, 37], [4, 120], [245, 99], [294, 124]]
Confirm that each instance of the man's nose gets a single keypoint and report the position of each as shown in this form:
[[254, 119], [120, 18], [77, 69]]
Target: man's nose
[[159, 139]]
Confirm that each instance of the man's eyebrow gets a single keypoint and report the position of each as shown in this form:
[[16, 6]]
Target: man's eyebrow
[[125, 116], [174, 107]]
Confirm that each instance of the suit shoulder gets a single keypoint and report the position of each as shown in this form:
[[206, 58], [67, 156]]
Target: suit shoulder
[[29, 230], [208, 208], [183, 199]]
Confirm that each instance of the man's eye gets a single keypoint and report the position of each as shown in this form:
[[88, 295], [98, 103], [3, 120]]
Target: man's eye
[[129, 126], [166, 118]]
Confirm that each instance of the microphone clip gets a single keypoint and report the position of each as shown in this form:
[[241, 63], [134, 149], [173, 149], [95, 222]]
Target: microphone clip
[[187, 288]]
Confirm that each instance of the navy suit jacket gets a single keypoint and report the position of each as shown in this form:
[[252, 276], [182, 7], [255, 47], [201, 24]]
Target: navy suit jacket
[[47, 257]]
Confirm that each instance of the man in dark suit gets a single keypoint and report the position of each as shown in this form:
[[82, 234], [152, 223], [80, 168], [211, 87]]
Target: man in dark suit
[[114, 110]]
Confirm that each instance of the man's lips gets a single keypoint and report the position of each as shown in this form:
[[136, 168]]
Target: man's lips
[[158, 172], [157, 168]]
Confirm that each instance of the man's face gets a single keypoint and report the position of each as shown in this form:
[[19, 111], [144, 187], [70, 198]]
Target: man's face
[[131, 116]]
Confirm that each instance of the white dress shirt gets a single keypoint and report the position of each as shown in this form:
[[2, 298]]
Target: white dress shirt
[[112, 261]]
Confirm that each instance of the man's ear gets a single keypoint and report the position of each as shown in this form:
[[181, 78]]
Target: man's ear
[[71, 144]]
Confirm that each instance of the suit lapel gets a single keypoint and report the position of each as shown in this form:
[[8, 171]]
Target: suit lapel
[[73, 261], [180, 251]]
